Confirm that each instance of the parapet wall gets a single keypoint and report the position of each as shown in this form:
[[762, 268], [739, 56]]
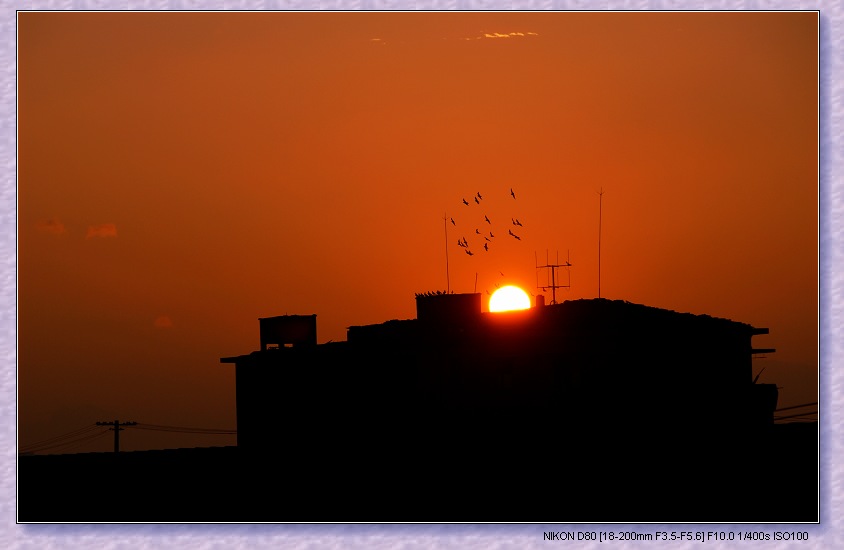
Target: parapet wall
[[447, 308]]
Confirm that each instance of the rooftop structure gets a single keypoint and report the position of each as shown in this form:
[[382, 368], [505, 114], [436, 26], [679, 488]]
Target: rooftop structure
[[583, 411], [460, 378]]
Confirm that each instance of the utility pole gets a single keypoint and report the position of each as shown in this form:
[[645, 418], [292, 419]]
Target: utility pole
[[117, 429]]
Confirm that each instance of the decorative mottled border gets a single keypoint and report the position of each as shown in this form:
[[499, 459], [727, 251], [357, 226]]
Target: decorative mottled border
[[828, 534]]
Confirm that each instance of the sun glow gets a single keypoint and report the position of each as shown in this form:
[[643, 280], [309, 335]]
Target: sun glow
[[509, 298]]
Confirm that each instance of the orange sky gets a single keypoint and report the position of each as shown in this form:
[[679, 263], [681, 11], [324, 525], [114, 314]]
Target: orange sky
[[182, 174]]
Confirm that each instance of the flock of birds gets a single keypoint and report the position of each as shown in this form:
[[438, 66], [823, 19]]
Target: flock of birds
[[483, 234], [488, 236]]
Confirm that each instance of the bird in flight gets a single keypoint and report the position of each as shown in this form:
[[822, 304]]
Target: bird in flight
[[452, 221], [491, 235], [465, 202], [479, 195], [477, 232], [460, 243], [513, 235], [477, 201], [512, 194], [469, 252], [517, 222], [487, 239], [486, 247], [487, 219]]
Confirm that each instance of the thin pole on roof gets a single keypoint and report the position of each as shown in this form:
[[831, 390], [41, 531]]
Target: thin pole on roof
[[600, 208], [447, 280]]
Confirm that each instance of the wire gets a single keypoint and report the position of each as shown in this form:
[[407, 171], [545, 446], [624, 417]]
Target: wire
[[75, 438], [798, 416], [182, 429], [57, 440], [797, 407], [59, 445], [78, 443], [68, 434], [205, 432]]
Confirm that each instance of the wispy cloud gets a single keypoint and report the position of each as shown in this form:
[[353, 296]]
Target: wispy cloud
[[102, 230], [163, 321], [378, 41], [55, 227], [504, 35]]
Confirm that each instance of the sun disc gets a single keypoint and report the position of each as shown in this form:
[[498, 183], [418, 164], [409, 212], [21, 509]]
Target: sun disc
[[509, 298]]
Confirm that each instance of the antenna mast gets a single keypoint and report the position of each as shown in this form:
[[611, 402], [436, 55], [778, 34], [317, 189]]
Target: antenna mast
[[553, 273], [600, 208], [447, 280]]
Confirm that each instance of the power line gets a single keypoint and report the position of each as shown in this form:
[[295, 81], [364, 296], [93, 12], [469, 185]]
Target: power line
[[797, 407], [63, 444], [76, 438], [808, 414], [68, 434], [58, 440], [76, 444], [183, 429]]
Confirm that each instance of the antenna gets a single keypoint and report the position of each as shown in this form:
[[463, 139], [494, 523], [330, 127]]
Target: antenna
[[552, 284], [447, 280], [600, 208]]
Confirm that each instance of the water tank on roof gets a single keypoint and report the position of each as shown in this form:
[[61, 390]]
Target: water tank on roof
[[287, 331]]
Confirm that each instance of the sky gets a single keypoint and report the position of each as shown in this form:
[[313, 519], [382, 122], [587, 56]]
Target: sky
[[181, 175]]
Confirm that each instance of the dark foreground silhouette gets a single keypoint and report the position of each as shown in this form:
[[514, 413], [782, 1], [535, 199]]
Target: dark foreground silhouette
[[585, 411], [775, 483]]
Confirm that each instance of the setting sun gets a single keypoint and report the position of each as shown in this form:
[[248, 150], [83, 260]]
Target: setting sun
[[509, 298]]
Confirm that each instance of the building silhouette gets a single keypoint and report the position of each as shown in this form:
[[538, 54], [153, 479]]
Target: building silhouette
[[455, 372], [602, 390], [584, 411]]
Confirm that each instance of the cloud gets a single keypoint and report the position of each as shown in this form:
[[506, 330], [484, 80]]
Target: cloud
[[163, 321], [102, 230], [55, 227], [378, 41], [506, 35]]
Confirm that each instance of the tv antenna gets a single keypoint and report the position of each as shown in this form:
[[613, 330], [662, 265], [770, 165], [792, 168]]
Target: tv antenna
[[551, 275]]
